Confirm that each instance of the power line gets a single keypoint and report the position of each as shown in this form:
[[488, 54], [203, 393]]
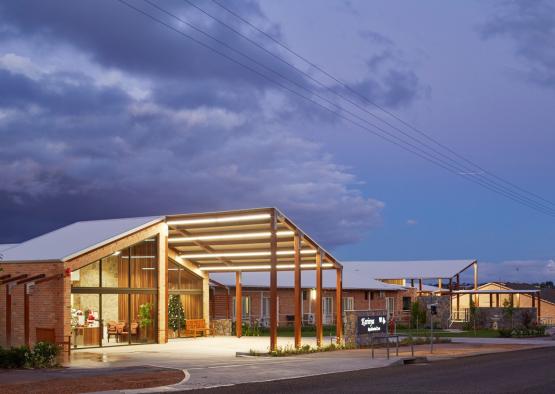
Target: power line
[[366, 99], [339, 114]]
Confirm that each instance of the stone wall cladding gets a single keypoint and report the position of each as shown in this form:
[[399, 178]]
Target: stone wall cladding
[[443, 316], [486, 316], [350, 328], [222, 327]]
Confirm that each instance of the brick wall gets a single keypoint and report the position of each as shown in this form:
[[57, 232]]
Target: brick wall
[[47, 303], [362, 300]]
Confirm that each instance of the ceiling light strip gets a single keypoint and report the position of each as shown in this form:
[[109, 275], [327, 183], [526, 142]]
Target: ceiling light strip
[[259, 234], [262, 267], [244, 254], [226, 219]]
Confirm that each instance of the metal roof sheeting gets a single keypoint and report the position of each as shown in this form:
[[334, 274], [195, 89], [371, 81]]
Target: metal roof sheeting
[[411, 269], [4, 247], [351, 280], [75, 239]]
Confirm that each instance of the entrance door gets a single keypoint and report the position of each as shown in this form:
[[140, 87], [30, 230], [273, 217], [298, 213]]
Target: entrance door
[[327, 310], [390, 306]]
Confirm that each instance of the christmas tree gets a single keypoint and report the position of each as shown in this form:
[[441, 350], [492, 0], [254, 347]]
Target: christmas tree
[[176, 314]]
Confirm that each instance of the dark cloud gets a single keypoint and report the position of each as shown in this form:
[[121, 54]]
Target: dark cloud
[[390, 81], [531, 27], [104, 113]]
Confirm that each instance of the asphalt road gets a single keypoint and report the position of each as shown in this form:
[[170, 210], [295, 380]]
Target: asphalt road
[[525, 371]]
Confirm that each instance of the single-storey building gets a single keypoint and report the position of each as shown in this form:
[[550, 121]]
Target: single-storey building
[[109, 282], [499, 295], [358, 294], [388, 286]]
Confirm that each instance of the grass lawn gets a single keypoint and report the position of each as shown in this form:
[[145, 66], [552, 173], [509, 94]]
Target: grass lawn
[[290, 331], [482, 333]]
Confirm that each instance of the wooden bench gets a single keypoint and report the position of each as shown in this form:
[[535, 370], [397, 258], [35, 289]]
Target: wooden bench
[[194, 326], [49, 335]]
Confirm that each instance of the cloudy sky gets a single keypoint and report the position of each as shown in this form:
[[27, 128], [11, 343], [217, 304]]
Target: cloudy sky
[[106, 112]]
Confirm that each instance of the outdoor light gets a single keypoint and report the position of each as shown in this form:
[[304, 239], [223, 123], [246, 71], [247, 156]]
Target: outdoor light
[[259, 234], [312, 294], [244, 254], [227, 219], [116, 253]]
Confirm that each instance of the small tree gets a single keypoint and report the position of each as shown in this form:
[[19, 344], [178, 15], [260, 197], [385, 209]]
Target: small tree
[[145, 318], [509, 311], [418, 315], [176, 314]]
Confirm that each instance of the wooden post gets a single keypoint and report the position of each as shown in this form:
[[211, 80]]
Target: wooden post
[[533, 300], [26, 316], [420, 284], [458, 282], [339, 305], [458, 303], [319, 319], [412, 283], [497, 300], [298, 289], [539, 307], [475, 265], [273, 283], [8, 316], [490, 300], [450, 286], [238, 305]]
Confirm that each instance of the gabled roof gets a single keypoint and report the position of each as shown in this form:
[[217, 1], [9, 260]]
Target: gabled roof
[[75, 239], [547, 294], [351, 280], [411, 269]]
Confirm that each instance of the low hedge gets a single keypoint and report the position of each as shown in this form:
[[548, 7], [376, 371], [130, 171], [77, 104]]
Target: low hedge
[[537, 331], [42, 355]]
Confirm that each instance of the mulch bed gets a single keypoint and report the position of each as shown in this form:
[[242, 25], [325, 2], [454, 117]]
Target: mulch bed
[[101, 382]]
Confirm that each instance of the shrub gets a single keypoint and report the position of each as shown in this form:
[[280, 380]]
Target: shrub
[[43, 355], [15, 357], [505, 332]]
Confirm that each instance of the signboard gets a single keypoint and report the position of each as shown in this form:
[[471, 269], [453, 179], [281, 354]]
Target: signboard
[[372, 324]]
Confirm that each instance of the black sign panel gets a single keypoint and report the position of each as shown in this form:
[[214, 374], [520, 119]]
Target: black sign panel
[[372, 324]]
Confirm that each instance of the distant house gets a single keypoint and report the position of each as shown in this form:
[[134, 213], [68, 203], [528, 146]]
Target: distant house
[[546, 306]]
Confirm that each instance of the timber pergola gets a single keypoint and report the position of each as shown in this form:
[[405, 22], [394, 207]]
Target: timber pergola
[[256, 240]]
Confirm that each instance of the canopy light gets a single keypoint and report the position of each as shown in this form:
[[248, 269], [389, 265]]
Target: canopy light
[[139, 257], [262, 267], [259, 234], [245, 254], [226, 219]]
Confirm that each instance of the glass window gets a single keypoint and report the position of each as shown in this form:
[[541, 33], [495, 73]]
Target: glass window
[[406, 303], [246, 307], [173, 275], [143, 262], [180, 278], [143, 318], [85, 320], [88, 276], [115, 269], [115, 320]]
